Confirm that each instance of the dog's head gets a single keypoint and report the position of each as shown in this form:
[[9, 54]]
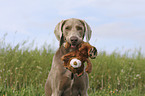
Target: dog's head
[[72, 31]]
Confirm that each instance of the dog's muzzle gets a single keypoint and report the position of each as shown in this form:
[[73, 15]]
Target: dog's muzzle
[[74, 41]]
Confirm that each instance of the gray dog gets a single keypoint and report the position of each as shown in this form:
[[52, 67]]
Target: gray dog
[[60, 81]]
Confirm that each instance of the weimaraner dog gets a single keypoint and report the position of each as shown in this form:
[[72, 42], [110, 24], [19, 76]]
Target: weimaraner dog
[[60, 81]]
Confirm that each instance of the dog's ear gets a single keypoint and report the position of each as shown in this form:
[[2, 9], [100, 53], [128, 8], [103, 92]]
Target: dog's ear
[[59, 31], [88, 31]]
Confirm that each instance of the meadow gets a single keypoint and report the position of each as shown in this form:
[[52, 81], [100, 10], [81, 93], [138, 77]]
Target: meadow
[[23, 72]]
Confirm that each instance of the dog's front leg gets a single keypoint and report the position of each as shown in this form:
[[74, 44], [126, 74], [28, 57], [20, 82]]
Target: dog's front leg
[[57, 93]]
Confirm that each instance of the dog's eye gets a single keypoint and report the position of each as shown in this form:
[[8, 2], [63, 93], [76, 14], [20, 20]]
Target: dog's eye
[[68, 28], [78, 28]]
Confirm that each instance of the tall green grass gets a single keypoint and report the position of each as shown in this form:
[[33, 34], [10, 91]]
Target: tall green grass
[[23, 72], [118, 74]]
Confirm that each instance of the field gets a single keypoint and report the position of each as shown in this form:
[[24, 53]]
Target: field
[[23, 72]]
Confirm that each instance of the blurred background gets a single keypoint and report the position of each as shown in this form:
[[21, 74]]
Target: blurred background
[[117, 25]]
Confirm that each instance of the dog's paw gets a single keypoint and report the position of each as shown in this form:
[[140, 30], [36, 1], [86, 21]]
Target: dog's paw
[[93, 53]]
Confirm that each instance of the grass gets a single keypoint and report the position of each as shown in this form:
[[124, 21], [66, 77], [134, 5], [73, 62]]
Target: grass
[[23, 72]]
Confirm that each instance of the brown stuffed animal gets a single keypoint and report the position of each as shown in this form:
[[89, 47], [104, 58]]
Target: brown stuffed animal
[[74, 61]]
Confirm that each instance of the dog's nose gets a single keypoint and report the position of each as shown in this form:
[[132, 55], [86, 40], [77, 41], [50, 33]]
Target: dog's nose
[[73, 39]]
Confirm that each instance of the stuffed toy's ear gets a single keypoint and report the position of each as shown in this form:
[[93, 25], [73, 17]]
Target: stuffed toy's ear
[[66, 45]]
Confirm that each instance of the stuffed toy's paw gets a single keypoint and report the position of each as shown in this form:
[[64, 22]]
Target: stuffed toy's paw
[[75, 63], [93, 53]]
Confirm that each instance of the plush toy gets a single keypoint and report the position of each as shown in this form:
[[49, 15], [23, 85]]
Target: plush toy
[[74, 61]]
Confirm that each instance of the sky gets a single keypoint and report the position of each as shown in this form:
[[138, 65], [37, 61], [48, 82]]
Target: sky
[[116, 24]]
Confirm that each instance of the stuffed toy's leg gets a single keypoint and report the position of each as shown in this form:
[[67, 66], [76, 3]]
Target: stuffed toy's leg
[[89, 66], [80, 74], [80, 71], [68, 56]]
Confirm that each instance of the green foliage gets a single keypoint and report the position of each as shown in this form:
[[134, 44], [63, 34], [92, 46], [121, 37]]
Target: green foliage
[[118, 75], [23, 72]]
